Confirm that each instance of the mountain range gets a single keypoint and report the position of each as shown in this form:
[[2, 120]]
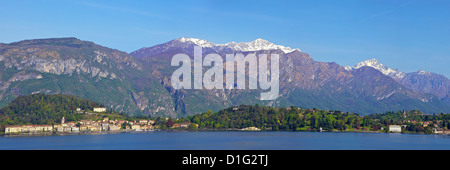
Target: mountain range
[[422, 81], [139, 82]]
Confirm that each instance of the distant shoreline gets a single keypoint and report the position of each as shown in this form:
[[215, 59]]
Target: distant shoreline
[[188, 131], [72, 133]]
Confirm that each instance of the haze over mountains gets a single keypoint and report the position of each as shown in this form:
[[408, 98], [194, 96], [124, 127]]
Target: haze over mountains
[[139, 82]]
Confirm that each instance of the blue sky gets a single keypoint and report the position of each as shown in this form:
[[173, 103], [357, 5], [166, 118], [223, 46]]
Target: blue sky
[[404, 34]]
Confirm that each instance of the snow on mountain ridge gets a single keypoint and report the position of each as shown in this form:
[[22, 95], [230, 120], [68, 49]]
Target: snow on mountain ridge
[[200, 42], [256, 45], [374, 63]]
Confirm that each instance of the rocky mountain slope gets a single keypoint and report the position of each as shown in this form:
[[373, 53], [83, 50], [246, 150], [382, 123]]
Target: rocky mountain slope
[[303, 81], [421, 81], [70, 66], [139, 82]]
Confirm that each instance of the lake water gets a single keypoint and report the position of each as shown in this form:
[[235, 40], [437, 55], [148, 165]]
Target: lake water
[[161, 140]]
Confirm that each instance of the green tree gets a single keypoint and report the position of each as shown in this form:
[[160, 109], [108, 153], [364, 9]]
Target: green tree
[[193, 126], [169, 123]]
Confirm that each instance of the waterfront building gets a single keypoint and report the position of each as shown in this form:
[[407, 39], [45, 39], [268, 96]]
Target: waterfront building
[[185, 125], [136, 127], [251, 129], [105, 126], [395, 128], [143, 122], [176, 125], [75, 129], [84, 127], [67, 129], [114, 128]]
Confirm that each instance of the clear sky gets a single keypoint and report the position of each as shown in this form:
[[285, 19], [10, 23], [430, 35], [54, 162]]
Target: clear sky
[[404, 34]]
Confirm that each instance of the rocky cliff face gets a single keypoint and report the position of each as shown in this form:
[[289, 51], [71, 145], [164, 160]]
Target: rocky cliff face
[[65, 56], [70, 66], [140, 83]]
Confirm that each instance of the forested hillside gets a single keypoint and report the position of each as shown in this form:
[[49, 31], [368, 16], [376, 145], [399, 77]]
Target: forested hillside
[[294, 118], [42, 109]]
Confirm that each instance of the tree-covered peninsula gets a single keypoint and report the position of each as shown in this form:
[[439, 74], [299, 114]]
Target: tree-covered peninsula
[[298, 119]]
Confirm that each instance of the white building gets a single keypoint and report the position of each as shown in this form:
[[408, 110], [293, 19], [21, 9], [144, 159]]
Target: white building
[[99, 109], [395, 128], [75, 129]]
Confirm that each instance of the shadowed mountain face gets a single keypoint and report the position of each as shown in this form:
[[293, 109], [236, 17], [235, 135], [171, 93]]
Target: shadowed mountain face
[[139, 82], [428, 82]]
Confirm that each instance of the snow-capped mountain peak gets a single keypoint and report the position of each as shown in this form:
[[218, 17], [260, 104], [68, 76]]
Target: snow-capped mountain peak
[[371, 63], [374, 63], [199, 42], [256, 45], [422, 72]]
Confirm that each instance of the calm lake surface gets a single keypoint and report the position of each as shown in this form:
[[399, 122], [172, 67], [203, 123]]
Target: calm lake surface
[[161, 140]]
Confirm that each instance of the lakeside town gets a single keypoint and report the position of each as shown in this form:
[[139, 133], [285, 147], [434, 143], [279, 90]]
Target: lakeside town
[[84, 126], [91, 126], [141, 125]]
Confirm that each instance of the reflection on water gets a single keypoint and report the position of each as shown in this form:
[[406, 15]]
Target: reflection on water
[[230, 141]]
